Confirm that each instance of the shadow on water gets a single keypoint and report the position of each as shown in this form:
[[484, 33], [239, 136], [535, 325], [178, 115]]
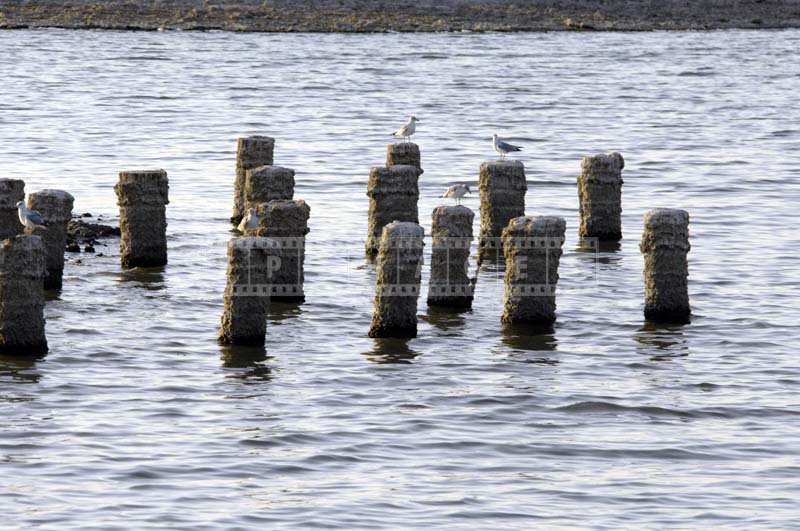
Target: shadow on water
[[251, 358], [151, 278], [662, 341], [391, 350], [530, 338], [598, 252], [19, 368], [447, 319]]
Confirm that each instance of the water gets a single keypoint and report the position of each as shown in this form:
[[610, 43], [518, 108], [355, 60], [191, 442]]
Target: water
[[137, 417]]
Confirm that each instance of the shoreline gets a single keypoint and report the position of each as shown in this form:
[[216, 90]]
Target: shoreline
[[380, 16]]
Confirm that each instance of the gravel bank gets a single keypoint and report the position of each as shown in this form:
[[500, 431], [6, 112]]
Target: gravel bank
[[402, 15]]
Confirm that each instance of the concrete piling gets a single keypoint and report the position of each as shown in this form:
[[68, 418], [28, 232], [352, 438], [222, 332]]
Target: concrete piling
[[12, 191], [532, 248], [398, 278], [22, 270], [451, 233], [251, 152], [285, 222], [502, 188], [665, 245], [142, 197], [268, 183], [55, 206], [403, 153], [393, 194], [600, 197], [246, 300]]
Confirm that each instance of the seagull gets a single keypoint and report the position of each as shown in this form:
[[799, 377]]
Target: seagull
[[503, 148], [408, 129], [457, 191], [249, 221], [30, 218]]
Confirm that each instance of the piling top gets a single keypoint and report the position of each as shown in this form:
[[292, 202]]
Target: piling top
[[400, 179], [22, 256], [658, 218], [610, 164], [402, 229], [53, 205], [142, 187], [456, 213], [536, 226], [666, 228], [283, 217], [507, 165], [11, 191], [255, 139], [270, 172]]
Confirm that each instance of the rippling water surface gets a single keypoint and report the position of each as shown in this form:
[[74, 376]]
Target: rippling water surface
[[138, 418]]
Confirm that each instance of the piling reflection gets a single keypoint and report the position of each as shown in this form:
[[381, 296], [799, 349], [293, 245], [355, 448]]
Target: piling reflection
[[250, 358], [662, 341], [19, 369], [150, 278], [391, 350], [525, 339], [283, 311], [447, 319], [595, 251]]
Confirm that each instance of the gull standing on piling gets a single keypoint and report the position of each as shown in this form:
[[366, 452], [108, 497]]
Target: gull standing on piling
[[504, 148], [29, 218], [457, 191], [408, 129], [250, 221]]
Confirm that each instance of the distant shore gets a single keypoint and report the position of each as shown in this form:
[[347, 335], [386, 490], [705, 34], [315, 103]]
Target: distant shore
[[358, 16]]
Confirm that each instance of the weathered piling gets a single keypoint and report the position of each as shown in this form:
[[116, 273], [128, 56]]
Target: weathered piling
[[451, 234], [12, 191], [393, 194], [142, 197], [502, 188], [403, 153], [398, 278], [286, 223], [268, 183], [22, 270], [532, 249], [55, 206], [600, 197], [665, 244], [251, 152], [246, 300]]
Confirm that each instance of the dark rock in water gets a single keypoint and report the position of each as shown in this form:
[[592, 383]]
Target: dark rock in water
[[73, 248], [81, 231], [100, 254], [86, 215], [88, 249]]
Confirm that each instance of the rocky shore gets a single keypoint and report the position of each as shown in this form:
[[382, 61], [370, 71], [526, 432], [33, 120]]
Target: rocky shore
[[401, 15]]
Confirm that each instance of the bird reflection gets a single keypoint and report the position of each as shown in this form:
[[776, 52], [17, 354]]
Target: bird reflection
[[251, 358], [391, 350], [662, 341]]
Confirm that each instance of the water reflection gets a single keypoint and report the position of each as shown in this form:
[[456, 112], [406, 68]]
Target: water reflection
[[530, 338], [391, 350], [150, 278], [282, 311], [18, 368], [662, 341], [251, 358], [598, 252], [447, 319]]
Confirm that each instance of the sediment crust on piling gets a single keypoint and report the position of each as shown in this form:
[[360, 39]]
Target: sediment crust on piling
[[55, 206], [22, 269], [267, 183], [407, 153], [393, 195], [600, 197], [532, 247], [397, 284], [350, 16], [502, 187], [142, 197], [451, 237], [11, 192], [665, 246], [251, 152]]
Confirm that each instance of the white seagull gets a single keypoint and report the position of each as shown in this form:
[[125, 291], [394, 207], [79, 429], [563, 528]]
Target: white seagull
[[503, 148], [408, 129], [457, 191], [30, 218], [249, 221]]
